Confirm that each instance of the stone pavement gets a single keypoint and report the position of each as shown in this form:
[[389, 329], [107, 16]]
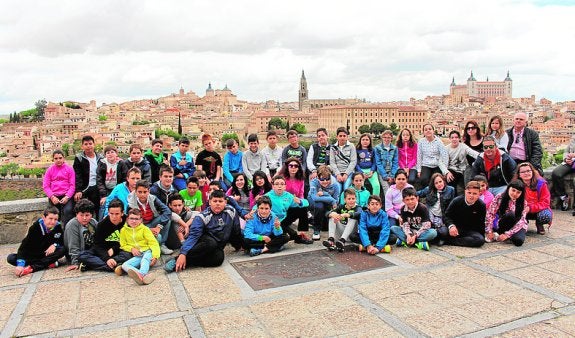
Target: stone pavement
[[496, 290]]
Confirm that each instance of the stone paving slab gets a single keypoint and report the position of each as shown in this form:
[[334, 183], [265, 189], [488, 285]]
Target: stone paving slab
[[497, 290]]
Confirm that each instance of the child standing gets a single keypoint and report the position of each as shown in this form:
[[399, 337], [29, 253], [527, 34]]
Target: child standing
[[263, 232], [373, 228], [138, 239], [343, 219], [232, 163], [253, 160], [42, 246], [272, 153], [366, 162], [416, 227], [342, 158], [183, 164]]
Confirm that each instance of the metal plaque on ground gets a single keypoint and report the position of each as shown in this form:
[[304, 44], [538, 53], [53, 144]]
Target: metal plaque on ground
[[272, 271]]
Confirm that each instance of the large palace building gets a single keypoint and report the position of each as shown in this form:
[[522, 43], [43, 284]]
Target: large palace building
[[482, 89]]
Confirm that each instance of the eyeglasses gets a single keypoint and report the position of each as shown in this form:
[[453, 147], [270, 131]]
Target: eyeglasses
[[525, 171], [293, 165], [323, 179], [489, 147], [518, 139]]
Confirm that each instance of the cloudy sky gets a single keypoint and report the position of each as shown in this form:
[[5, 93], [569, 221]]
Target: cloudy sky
[[113, 51]]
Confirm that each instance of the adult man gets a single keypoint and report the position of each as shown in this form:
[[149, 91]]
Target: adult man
[[465, 219], [105, 253], [524, 144], [318, 153], [209, 233], [561, 171], [85, 167], [497, 166]]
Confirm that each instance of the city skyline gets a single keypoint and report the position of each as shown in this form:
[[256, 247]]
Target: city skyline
[[85, 51]]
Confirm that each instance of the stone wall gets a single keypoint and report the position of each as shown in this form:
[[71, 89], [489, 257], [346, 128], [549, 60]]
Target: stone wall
[[17, 216]]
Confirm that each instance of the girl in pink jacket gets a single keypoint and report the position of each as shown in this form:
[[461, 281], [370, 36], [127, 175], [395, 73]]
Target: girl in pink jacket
[[59, 185], [407, 154]]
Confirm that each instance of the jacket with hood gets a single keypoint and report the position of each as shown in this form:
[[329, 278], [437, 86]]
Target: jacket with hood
[[157, 207], [141, 238], [342, 159], [143, 165]]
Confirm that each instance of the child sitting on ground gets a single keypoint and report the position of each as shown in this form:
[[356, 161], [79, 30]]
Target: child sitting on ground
[[416, 228], [42, 246], [263, 233], [344, 220], [180, 216], [79, 232], [373, 228], [138, 239]]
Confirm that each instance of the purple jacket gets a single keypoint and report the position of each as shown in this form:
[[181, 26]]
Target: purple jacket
[[59, 180]]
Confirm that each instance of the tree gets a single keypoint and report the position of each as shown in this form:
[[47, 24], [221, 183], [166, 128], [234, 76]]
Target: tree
[[300, 128], [394, 128], [102, 118], [377, 128], [40, 107], [287, 126], [66, 149], [228, 136], [364, 129], [276, 123]]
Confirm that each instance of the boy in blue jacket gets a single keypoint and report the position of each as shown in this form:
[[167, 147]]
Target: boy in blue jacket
[[183, 164], [373, 228], [263, 233], [323, 195], [210, 231]]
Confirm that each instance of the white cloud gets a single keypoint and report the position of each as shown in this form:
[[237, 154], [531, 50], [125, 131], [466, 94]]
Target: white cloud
[[109, 50]]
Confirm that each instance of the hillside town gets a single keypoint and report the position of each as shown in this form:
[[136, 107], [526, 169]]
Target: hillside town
[[220, 111]]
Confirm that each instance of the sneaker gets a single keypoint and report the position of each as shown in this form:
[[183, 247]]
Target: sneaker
[[399, 242], [118, 270], [170, 266], [149, 278], [386, 249], [422, 246], [82, 267], [565, 202], [165, 250], [255, 252], [495, 236], [316, 236], [340, 244], [23, 271], [540, 229], [329, 244], [440, 242], [303, 239], [53, 265], [136, 276]]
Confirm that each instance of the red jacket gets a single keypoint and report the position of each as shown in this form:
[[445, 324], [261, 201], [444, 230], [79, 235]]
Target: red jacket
[[538, 199]]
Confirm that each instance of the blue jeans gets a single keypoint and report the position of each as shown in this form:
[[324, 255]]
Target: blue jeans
[[142, 262], [163, 235], [426, 236]]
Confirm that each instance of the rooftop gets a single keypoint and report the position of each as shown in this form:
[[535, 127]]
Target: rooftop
[[496, 290]]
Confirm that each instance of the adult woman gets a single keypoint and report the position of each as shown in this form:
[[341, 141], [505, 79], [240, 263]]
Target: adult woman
[[407, 154], [495, 129], [393, 198], [432, 155], [59, 185], [473, 138], [537, 195], [506, 217]]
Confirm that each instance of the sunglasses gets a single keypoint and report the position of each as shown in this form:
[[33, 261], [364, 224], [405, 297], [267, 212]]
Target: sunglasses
[[471, 128], [489, 147], [293, 165], [323, 179]]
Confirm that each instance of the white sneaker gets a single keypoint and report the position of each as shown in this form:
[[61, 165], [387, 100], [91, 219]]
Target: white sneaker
[[165, 250], [316, 236]]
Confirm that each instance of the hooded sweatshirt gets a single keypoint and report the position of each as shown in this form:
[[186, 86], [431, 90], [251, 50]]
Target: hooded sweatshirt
[[141, 238]]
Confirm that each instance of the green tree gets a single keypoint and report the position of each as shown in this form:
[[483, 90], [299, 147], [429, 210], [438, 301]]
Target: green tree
[[66, 149], [394, 128], [364, 129], [102, 118], [3, 120], [377, 128], [300, 128], [77, 146], [40, 107], [276, 123], [228, 136], [170, 133]]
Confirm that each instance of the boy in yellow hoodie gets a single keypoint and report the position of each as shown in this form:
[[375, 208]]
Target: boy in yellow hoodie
[[138, 239]]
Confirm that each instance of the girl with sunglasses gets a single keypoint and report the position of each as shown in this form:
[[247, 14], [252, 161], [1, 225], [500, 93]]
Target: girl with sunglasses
[[293, 173], [323, 196]]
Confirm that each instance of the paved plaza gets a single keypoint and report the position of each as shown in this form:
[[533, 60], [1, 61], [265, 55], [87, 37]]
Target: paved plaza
[[496, 290]]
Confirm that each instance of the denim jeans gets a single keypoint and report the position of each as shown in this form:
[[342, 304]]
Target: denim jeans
[[426, 236], [163, 235], [139, 263]]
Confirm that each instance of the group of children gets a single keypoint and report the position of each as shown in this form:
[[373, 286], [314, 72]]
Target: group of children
[[336, 186]]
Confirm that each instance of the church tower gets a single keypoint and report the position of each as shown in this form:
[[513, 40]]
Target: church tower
[[303, 93]]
